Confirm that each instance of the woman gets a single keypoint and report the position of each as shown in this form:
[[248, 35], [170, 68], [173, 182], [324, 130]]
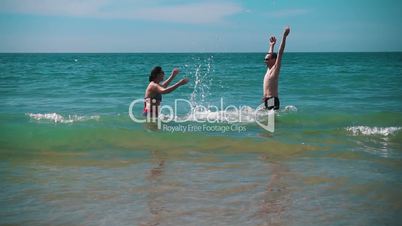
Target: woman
[[157, 87]]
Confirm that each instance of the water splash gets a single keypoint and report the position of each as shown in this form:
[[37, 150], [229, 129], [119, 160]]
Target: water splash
[[290, 108], [202, 71], [57, 118], [367, 131]]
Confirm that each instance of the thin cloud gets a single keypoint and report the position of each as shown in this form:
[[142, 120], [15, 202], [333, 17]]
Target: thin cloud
[[192, 13], [52, 7], [289, 13]]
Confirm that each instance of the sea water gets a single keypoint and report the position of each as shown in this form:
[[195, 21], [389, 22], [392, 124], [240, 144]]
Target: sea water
[[71, 154]]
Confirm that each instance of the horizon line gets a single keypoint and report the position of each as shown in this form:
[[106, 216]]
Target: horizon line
[[188, 52]]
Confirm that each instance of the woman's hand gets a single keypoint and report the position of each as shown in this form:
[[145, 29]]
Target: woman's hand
[[183, 81], [175, 72]]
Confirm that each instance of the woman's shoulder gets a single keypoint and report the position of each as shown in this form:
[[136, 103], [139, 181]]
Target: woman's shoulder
[[152, 87], [151, 84]]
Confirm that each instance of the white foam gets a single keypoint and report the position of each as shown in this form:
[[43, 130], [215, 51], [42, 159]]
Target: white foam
[[57, 118], [367, 131], [290, 108]]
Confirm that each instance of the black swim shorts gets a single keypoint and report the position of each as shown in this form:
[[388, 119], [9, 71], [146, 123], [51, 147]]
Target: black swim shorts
[[271, 103]]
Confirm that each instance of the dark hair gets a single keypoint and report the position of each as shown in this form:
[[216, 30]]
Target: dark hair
[[274, 55], [155, 72]]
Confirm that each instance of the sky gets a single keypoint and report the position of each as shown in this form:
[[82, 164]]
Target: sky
[[199, 25]]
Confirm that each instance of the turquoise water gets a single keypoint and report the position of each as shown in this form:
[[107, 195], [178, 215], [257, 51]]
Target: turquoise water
[[70, 154]]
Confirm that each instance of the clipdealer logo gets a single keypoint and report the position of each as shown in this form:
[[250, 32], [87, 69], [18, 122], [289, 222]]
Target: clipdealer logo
[[211, 118]]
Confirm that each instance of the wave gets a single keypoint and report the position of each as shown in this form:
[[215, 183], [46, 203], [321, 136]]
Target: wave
[[57, 118], [368, 131], [290, 108]]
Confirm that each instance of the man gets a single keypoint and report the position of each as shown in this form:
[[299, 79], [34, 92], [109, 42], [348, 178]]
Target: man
[[273, 62]]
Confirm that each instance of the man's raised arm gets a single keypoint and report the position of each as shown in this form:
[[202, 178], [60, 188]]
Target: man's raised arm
[[272, 42], [282, 47]]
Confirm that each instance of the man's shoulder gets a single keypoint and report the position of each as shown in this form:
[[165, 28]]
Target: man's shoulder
[[272, 73], [271, 70], [274, 70]]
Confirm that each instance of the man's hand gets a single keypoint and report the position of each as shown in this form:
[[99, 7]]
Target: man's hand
[[272, 40], [286, 32], [175, 71]]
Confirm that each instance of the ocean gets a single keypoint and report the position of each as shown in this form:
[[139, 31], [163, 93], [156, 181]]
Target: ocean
[[70, 154]]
